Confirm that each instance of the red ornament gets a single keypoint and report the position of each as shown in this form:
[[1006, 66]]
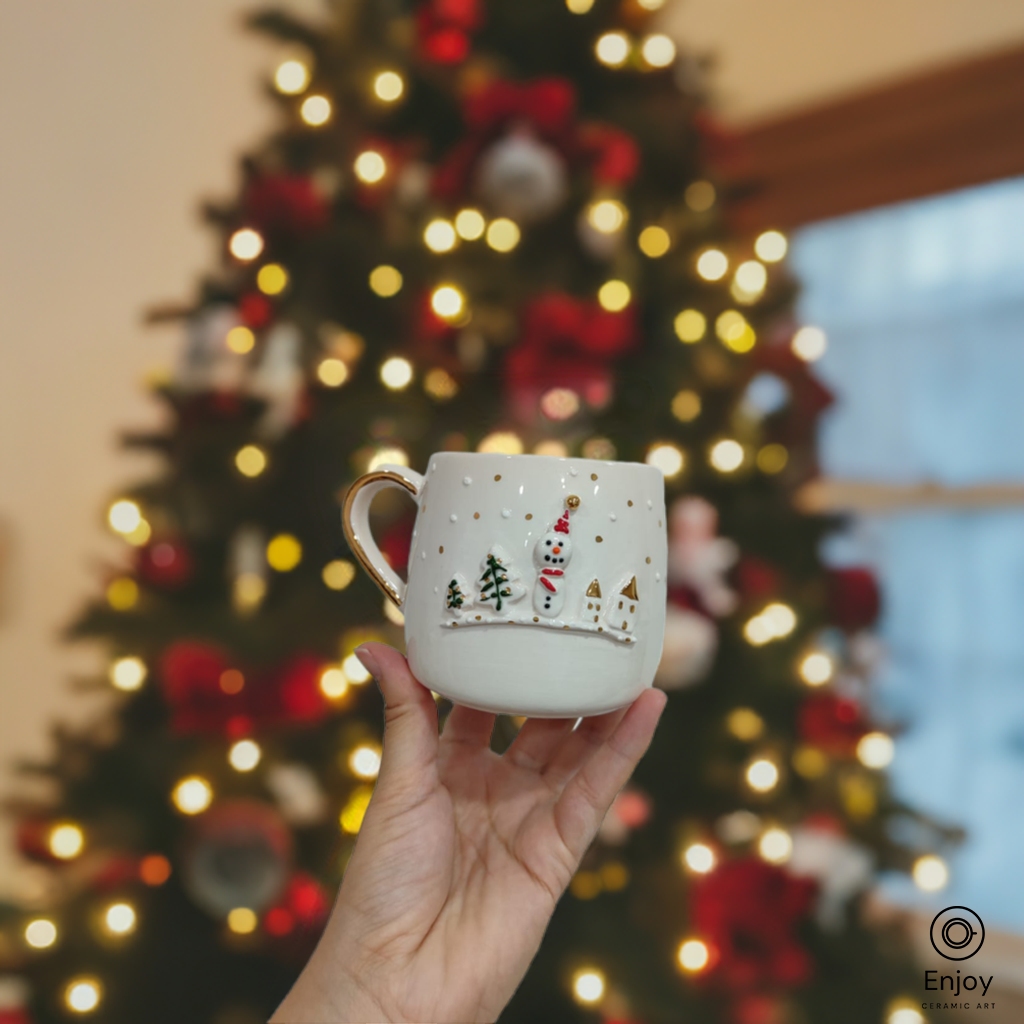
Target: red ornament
[[546, 108], [15, 1015], [165, 563], [748, 912], [567, 343], [307, 900], [808, 397], [255, 310], [286, 203], [32, 839], [443, 28], [756, 579], [192, 674], [278, 921], [853, 598], [834, 724]]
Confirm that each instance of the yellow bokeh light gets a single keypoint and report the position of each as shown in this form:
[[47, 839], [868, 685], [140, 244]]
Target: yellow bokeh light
[[470, 224], [700, 196], [333, 683], [355, 810], [251, 460], [128, 673], [248, 591], [66, 841], [810, 762], [502, 234], [284, 552], [780, 618], [693, 955], [612, 49], [124, 516], [730, 326], [370, 166], [930, 873], [651, 5], [291, 77], [244, 755], [396, 373], [120, 918], [447, 302], [355, 671], [364, 761], [614, 876], [686, 405], [758, 631], [439, 235], [245, 244], [272, 279], [816, 669], [192, 795], [579, 6], [727, 456], [560, 403], [772, 458], [501, 442], [83, 995], [690, 326], [41, 933], [388, 456], [122, 593], [606, 215], [338, 574], [903, 1011], [588, 986], [388, 86], [385, 281], [315, 110], [712, 264], [762, 775], [658, 50], [654, 241], [699, 858], [809, 343], [745, 723], [771, 246], [876, 750], [440, 384], [775, 846], [751, 277], [332, 372], [614, 296], [240, 340], [140, 535], [666, 457], [242, 921], [553, 448]]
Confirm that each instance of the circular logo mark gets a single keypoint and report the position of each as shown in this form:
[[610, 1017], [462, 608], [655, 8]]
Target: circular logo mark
[[957, 933]]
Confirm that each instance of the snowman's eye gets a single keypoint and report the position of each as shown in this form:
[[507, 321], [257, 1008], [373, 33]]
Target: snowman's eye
[[548, 543]]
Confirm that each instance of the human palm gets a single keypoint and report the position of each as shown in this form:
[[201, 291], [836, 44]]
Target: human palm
[[462, 856]]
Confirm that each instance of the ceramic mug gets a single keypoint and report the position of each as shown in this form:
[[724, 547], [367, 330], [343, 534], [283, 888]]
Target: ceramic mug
[[536, 584]]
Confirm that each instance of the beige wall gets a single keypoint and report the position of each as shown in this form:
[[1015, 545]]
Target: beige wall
[[116, 118]]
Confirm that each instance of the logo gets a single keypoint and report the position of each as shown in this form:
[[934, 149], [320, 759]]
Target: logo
[[957, 933]]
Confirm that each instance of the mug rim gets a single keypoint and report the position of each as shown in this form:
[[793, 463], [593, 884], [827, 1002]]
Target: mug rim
[[564, 459]]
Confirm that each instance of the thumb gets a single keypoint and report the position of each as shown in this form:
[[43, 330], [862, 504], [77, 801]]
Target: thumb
[[410, 714]]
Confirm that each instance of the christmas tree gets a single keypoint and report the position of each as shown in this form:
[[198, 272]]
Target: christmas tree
[[478, 227]]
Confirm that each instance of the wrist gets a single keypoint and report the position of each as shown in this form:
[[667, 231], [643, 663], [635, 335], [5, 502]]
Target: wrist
[[328, 993]]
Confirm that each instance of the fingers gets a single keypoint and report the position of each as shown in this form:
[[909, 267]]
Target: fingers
[[589, 793], [588, 737], [467, 727], [537, 741], [410, 714]]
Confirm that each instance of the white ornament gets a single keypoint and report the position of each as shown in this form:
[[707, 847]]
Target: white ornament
[[551, 555], [841, 868], [699, 559], [622, 608], [521, 177], [690, 644], [279, 379], [207, 364]]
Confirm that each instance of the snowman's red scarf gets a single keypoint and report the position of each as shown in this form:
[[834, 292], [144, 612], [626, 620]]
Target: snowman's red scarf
[[550, 572]]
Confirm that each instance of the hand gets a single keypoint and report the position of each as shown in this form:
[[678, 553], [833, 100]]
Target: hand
[[461, 857]]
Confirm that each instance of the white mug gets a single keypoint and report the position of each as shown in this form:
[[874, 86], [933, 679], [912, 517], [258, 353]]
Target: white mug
[[536, 584]]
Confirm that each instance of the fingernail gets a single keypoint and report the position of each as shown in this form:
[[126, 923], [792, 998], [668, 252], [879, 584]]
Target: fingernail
[[369, 661]]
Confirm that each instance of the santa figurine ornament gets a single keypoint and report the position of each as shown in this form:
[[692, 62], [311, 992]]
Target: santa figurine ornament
[[551, 555]]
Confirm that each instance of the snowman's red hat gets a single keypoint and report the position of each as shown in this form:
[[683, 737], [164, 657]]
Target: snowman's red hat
[[562, 526]]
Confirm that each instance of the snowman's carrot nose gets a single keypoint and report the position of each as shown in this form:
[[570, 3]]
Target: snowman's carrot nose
[[556, 550]]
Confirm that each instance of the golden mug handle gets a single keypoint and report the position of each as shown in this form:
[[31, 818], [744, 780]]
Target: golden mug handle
[[355, 521]]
